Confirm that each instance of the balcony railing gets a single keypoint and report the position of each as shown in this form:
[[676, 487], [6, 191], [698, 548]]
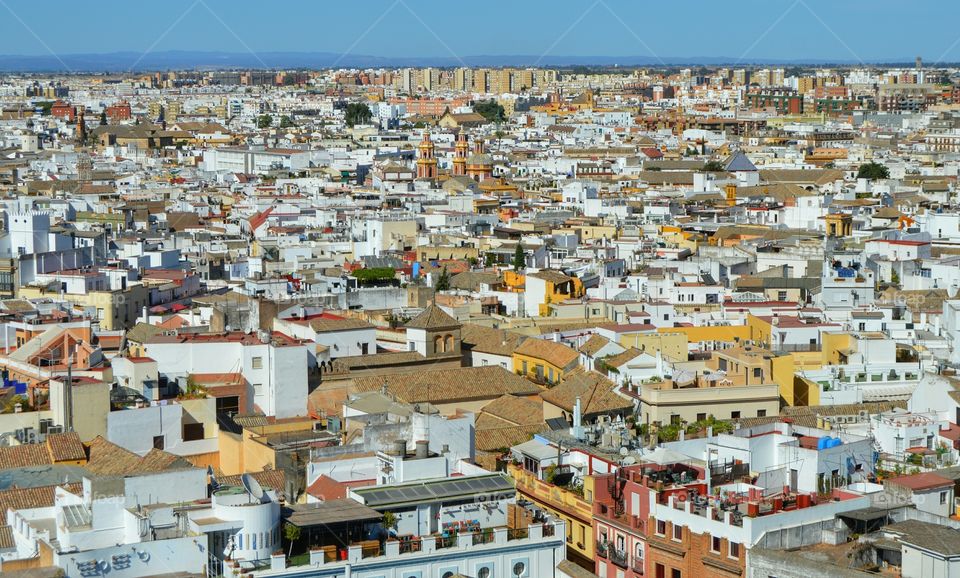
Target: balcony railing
[[483, 538], [411, 545], [619, 557], [637, 565], [602, 549], [446, 542]]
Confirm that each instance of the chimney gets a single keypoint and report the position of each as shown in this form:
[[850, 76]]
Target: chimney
[[577, 429]]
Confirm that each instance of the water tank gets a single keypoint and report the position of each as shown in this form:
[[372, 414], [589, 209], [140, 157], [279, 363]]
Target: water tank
[[823, 443], [834, 442]]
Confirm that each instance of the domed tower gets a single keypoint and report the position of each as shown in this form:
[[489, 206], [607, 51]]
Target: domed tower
[[461, 150], [480, 164], [427, 163]]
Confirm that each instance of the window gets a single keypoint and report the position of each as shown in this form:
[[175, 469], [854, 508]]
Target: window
[[519, 568], [257, 363], [158, 442], [675, 573], [701, 416], [661, 528], [677, 532], [761, 413], [659, 571], [734, 549], [734, 415], [483, 572], [757, 372], [943, 497], [257, 389], [715, 544]]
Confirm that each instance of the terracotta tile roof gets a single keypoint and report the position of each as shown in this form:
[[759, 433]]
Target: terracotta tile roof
[[322, 325], [495, 434], [66, 447], [624, 357], [449, 385], [920, 482], [6, 538], [433, 318], [516, 410], [554, 353], [38, 497], [109, 459], [270, 479], [471, 280], [594, 344], [550, 276], [24, 455], [595, 391], [486, 460], [489, 340]]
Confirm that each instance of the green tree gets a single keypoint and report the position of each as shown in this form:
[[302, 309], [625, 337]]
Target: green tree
[[285, 122], [490, 110], [490, 259], [713, 167], [374, 275], [358, 113], [519, 258], [389, 520], [103, 118], [443, 281], [292, 534], [873, 171], [264, 121]]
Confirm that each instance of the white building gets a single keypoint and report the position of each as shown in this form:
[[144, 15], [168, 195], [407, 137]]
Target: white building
[[274, 365]]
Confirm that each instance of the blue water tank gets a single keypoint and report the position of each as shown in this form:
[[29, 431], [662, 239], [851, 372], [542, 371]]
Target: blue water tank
[[835, 442], [823, 443]]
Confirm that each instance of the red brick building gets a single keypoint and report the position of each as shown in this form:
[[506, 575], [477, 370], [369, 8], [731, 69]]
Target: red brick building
[[118, 112], [64, 110]]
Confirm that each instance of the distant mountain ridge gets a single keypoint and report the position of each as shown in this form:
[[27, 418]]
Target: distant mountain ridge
[[189, 59]]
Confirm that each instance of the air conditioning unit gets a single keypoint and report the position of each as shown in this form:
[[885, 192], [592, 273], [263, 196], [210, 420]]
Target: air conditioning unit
[[55, 429]]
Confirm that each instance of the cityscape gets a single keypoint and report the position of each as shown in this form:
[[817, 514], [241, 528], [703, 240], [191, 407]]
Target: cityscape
[[417, 297]]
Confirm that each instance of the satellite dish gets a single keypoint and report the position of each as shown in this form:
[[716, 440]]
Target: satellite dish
[[624, 451], [253, 488], [214, 484]]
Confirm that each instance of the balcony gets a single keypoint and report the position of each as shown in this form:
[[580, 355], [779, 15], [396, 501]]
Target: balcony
[[637, 565], [602, 549], [619, 557], [412, 547]]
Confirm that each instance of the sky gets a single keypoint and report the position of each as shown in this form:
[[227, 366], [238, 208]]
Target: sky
[[848, 30]]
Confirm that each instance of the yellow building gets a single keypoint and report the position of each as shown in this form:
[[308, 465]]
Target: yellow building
[[671, 344], [257, 446], [544, 362], [116, 309], [574, 509]]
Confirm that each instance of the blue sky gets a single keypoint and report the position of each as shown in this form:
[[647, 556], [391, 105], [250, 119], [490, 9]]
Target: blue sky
[[811, 29]]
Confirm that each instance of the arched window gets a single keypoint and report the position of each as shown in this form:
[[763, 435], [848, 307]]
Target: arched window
[[450, 346], [438, 344]]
